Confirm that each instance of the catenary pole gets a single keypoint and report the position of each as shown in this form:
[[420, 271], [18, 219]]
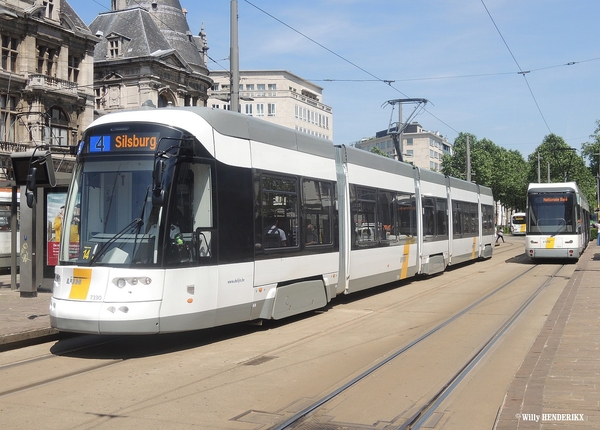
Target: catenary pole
[[234, 60]]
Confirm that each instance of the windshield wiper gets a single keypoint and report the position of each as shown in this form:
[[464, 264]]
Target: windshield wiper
[[137, 223]]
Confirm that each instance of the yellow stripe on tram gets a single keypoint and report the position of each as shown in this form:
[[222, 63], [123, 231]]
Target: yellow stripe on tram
[[80, 284], [405, 254]]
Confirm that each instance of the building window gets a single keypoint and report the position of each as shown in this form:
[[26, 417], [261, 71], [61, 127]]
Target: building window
[[271, 109], [409, 153], [114, 48], [9, 53], [261, 90], [49, 5], [249, 109], [59, 127], [260, 109], [73, 68], [46, 64], [99, 94], [272, 90], [409, 141], [8, 107], [215, 86]]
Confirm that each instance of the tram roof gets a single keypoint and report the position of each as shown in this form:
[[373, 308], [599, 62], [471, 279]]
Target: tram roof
[[560, 187], [229, 124]]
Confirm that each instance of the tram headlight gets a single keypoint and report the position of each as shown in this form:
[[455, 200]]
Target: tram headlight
[[122, 282]]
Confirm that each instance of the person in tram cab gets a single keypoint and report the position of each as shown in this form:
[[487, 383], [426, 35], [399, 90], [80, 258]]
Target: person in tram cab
[[311, 236]]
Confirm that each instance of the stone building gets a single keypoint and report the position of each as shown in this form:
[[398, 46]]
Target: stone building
[[46, 77], [146, 52], [277, 96]]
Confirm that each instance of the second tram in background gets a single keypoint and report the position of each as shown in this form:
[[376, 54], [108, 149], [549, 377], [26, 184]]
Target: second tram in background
[[517, 224], [558, 221]]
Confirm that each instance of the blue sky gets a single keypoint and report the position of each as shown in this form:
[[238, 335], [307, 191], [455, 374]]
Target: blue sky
[[450, 52]]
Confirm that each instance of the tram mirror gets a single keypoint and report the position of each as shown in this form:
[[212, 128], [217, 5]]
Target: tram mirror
[[158, 194]]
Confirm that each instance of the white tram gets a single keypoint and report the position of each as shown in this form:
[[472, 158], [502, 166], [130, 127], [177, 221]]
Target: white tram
[[194, 218], [518, 223], [558, 221]]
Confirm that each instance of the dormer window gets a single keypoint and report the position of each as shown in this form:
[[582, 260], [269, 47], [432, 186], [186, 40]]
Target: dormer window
[[116, 46], [49, 5]]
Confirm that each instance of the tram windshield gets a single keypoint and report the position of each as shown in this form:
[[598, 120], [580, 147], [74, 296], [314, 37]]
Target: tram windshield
[[551, 213], [110, 218], [110, 202], [518, 219]]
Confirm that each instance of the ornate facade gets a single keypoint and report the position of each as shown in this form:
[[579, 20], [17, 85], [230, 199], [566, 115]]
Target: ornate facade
[[46, 78], [146, 52]]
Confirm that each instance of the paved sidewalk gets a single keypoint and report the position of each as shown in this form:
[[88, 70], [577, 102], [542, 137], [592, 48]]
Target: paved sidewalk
[[22, 318], [557, 386]]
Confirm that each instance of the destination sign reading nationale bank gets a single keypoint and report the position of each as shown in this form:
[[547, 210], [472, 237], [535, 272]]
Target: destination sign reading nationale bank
[[123, 142]]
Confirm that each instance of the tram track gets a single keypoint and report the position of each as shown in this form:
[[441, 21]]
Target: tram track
[[416, 419], [79, 345], [416, 294]]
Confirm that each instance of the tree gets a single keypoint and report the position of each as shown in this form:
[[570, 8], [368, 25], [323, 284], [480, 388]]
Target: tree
[[562, 163], [505, 172], [376, 150], [590, 150]]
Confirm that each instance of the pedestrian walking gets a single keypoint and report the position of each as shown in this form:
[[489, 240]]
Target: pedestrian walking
[[499, 234]]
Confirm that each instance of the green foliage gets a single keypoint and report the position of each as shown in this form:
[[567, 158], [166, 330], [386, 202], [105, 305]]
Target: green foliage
[[508, 174], [504, 171], [562, 163], [376, 150], [593, 234], [590, 150]]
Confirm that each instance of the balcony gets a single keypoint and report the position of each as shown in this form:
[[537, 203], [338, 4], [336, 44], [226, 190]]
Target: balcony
[[51, 84]]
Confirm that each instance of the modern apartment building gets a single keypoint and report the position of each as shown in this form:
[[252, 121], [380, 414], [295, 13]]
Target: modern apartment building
[[420, 147], [276, 96]]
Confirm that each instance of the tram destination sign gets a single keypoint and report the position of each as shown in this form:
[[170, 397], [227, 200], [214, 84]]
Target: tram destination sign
[[555, 199], [124, 142]]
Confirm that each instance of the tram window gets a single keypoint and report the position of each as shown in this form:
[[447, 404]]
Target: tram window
[[192, 202], [317, 206], [429, 216], [487, 214], [362, 201], [279, 212], [442, 217], [467, 222], [457, 218], [406, 215], [385, 219], [474, 218]]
